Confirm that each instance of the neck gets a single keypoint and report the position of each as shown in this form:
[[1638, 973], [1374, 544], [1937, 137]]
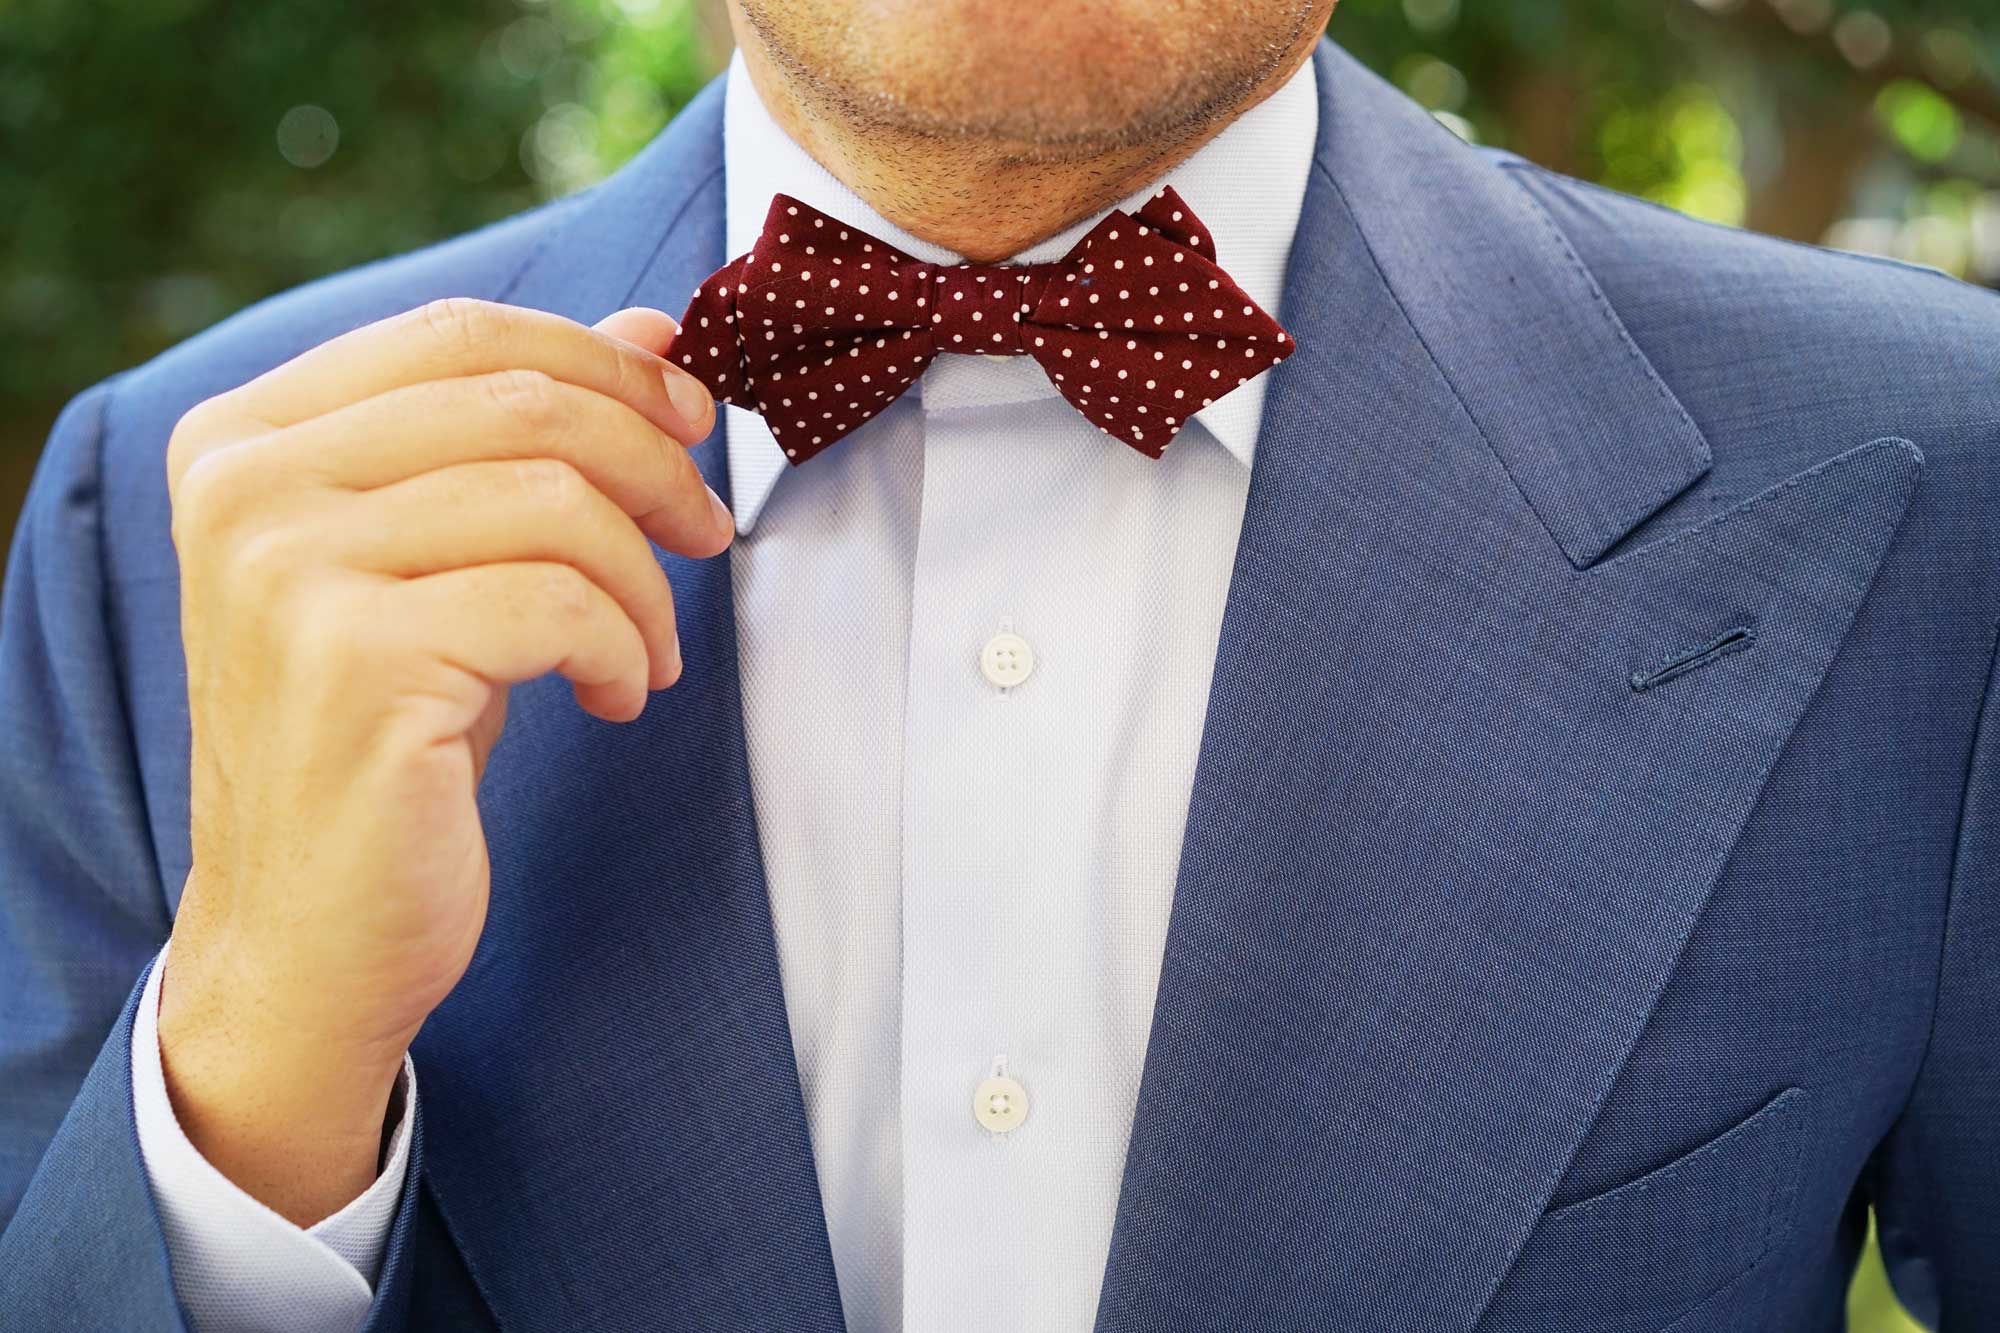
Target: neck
[[981, 197]]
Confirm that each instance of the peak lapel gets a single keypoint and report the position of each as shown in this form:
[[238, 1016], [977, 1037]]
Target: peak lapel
[[616, 1134], [1441, 854]]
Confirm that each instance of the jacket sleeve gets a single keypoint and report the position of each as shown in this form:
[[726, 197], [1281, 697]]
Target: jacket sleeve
[[1936, 1181], [82, 911]]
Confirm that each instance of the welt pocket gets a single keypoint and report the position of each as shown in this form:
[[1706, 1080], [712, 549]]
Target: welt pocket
[[1638, 1256]]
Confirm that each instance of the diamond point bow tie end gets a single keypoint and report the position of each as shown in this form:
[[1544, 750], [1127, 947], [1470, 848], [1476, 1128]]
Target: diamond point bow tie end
[[821, 325]]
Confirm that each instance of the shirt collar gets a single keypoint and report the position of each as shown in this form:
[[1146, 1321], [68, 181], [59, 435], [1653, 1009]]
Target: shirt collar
[[1248, 185]]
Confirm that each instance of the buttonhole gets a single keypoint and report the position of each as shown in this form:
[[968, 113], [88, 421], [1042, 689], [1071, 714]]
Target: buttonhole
[[1729, 641]]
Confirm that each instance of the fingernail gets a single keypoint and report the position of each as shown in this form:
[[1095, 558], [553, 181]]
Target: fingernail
[[720, 511], [690, 397]]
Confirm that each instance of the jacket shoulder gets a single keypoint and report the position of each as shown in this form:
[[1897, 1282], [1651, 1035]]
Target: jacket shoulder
[[1752, 331], [483, 263]]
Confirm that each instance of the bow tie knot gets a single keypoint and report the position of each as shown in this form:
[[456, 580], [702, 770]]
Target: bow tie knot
[[820, 326], [981, 307]]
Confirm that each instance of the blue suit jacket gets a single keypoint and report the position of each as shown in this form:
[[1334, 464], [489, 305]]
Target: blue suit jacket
[[1590, 902]]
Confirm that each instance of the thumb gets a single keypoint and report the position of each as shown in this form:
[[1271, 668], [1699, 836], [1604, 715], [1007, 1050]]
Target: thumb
[[643, 327]]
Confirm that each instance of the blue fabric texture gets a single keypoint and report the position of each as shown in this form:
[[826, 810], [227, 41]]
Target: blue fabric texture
[[1499, 994]]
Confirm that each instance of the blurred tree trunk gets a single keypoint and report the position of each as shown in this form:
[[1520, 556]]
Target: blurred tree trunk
[[1543, 108], [1826, 144]]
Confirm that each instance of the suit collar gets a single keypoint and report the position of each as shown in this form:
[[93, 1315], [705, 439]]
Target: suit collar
[[1593, 438]]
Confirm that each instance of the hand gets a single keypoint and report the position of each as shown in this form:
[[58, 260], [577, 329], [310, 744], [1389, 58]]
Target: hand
[[376, 539]]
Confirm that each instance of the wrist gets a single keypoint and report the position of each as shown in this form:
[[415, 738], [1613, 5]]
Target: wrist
[[292, 1115]]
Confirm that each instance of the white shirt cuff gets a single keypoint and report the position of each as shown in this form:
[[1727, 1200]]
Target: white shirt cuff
[[238, 1266]]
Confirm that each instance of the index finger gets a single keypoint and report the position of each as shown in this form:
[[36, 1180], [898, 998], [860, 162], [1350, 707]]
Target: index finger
[[459, 336]]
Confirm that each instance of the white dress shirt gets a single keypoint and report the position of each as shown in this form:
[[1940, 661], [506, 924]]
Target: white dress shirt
[[975, 639]]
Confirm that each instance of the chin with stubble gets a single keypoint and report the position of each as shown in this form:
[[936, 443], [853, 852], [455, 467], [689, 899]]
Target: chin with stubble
[[986, 126]]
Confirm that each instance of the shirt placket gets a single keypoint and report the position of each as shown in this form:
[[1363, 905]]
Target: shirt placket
[[972, 1021]]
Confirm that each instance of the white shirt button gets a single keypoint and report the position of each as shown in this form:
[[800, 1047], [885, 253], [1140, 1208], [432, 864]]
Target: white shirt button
[[1006, 659], [1000, 1104]]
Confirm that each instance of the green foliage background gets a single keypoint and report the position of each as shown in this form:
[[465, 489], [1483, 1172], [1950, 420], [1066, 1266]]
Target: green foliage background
[[164, 162]]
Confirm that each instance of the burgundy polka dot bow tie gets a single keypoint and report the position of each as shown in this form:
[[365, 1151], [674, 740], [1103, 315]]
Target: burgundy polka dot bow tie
[[821, 325]]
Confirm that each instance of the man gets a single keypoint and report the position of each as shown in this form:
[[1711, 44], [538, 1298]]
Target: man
[[1495, 828]]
